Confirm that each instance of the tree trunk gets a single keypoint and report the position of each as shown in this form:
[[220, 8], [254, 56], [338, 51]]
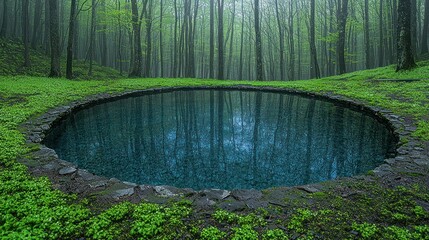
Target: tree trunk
[[291, 43], [76, 34], [282, 43], [405, 55], [211, 56], [3, 29], [137, 61], [413, 26], [36, 23], [69, 66], [424, 48], [240, 74], [314, 65], [118, 3], [221, 63], [147, 68], [258, 44], [231, 43], [366, 36], [55, 39], [104, 52], [25, 32], [381, 29], [47, 32], [341, 22], [92, 36], [161, 51]]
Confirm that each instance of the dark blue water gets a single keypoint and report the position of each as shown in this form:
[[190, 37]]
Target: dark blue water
[[221, 139]]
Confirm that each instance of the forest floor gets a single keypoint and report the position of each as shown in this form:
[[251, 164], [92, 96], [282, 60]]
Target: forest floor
[[391, 202]]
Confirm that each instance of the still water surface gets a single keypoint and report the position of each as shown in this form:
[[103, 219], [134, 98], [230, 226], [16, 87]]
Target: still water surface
[[221, 139]]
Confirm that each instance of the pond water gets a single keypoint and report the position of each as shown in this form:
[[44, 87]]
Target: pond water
[[225, 139]]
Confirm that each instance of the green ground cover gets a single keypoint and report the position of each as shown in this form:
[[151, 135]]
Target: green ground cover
[[30, 208]]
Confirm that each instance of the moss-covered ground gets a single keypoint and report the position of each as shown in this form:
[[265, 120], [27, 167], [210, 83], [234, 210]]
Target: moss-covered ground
[[30, 208]]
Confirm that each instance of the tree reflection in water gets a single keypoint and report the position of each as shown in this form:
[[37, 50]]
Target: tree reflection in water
[[221, 139]]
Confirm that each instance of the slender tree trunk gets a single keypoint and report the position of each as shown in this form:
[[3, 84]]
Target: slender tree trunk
[[69, 66], [137, 61], [104, 52], [36, 23], [405, 54], [240, 75], [147, 67], [91, 51], [424, 48], [76, 54], [231, 43], [258, 44], [291, 43], [381, 45], [282, 42], [118, 2], [47, 32], [314, 65], [26, 32], [3, 29], [55, 39], [221, 57], [366, 36], [413, 24], [212, 43], [175, 51], [341, 21], [161, 50]]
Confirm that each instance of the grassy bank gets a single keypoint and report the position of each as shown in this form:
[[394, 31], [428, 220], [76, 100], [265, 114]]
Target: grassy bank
[[31, 209]]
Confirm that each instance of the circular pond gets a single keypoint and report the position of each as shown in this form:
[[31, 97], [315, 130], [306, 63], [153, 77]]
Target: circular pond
[[225, 139]]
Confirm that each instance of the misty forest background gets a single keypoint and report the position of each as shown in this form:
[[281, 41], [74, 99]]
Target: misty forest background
[[224, 39]]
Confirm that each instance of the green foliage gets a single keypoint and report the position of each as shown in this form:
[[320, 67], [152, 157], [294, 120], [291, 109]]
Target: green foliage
[[152, 221], [366, 230], [244, 233], [422, 131], [274, 234], [111, 223], [299, 219], [225, 216], [212, 233], [30, 208]]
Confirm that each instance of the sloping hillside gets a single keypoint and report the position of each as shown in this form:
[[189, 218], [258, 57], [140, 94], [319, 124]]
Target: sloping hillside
[[11, 59]]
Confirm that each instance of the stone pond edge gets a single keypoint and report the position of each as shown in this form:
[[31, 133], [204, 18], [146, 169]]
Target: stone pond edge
[[69, 178]]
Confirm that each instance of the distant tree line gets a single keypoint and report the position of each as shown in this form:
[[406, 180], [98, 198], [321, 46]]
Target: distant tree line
[[224, 39]]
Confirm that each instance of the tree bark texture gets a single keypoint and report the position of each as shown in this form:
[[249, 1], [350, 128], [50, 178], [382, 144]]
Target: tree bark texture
[[26, 32], [54, 39], [424, 48], [70, 41], [342, 11], [405, 54], [258, 44], [314, 65], [137, 61]]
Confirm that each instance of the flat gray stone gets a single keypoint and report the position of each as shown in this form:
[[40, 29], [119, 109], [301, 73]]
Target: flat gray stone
[[308, 189], [216, 194], [85, 175], [421, 162], [67, 170], [204, 202], [236, 206], [243, 195], [123, 193], [97, 184], [165, 191]]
